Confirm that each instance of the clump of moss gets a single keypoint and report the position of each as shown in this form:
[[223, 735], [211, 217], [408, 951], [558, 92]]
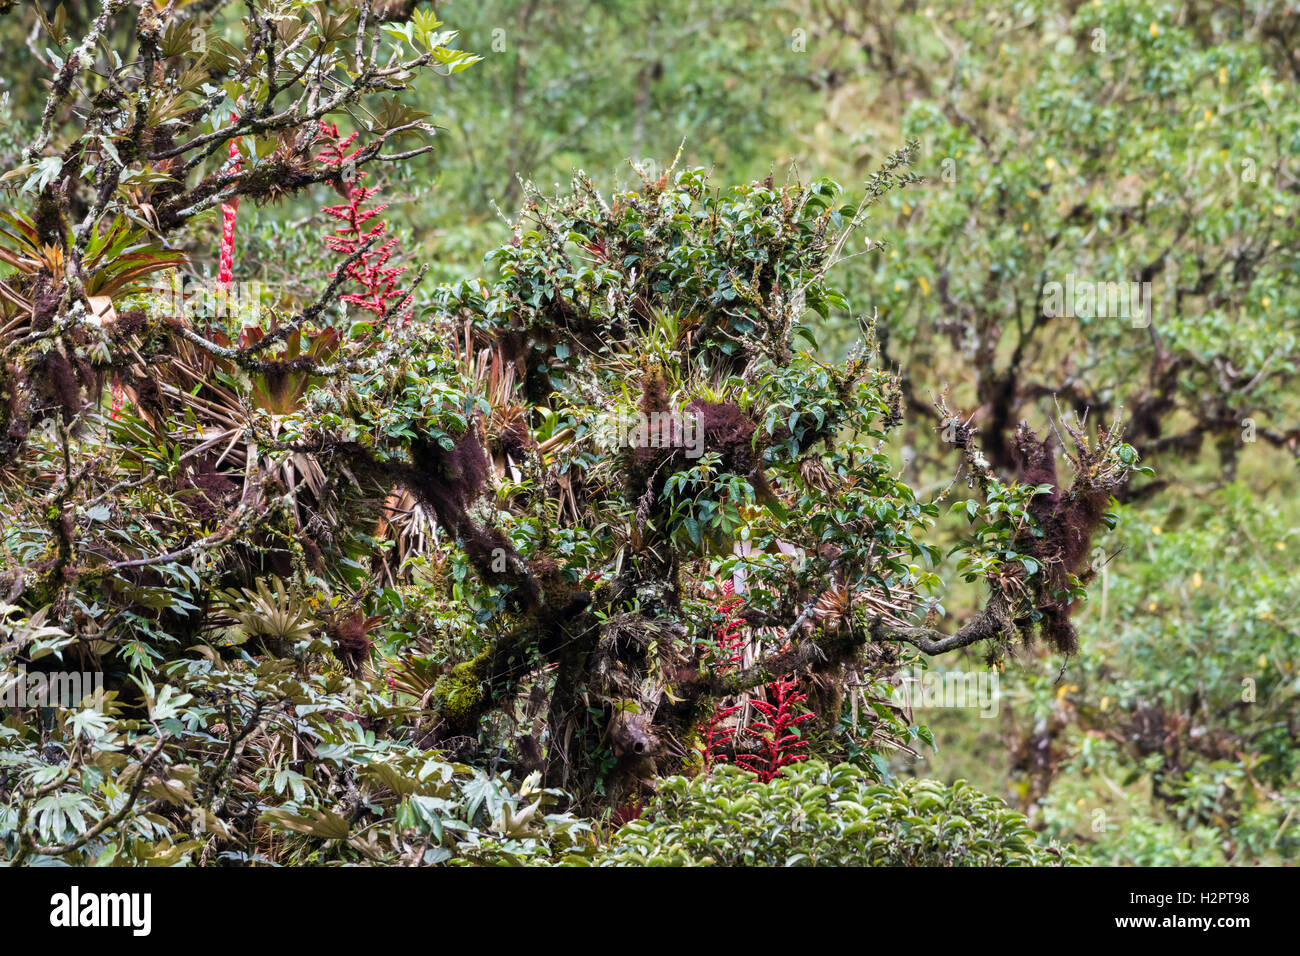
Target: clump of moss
[[460, 693]]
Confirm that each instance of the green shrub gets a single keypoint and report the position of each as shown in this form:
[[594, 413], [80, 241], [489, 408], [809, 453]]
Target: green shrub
[[818, 815]]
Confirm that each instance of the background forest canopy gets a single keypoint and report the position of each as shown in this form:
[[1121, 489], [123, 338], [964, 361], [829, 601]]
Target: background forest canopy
[[494, 434]]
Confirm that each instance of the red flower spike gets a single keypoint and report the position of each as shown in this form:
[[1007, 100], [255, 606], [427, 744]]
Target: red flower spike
[[715, 739], [226, 260], [779, 747], [730, 645], [371, 270], [728, 637]]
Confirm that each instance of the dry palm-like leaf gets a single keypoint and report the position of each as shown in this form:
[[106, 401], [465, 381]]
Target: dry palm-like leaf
[[298, 471], [815, 474], [569, 511], [506, 428], [837, 603], [219, 419], [411, 526], [142, 210]]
